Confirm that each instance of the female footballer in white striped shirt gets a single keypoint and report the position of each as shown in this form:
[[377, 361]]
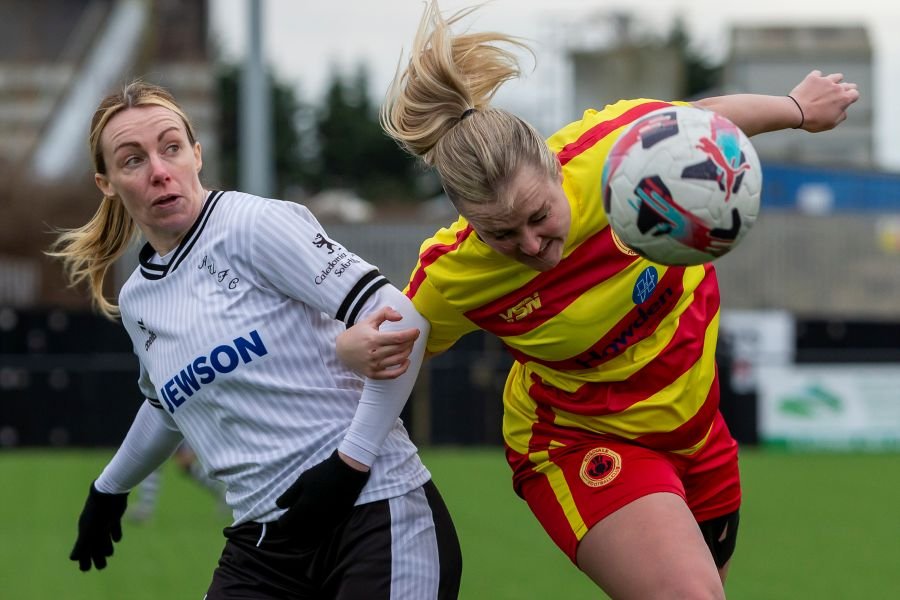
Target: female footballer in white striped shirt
[[233, 313]]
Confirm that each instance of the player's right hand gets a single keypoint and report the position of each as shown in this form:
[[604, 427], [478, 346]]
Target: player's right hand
[[374, 353], [99, 525]]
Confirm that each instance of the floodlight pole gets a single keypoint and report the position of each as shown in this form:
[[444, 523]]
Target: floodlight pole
[[255, 112]]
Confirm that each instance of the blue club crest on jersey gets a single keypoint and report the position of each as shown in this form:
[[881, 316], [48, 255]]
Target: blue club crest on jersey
[[645, 285]]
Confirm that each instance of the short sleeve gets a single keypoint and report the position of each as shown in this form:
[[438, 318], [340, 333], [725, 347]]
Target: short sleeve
[[447, 324], [293, 252]]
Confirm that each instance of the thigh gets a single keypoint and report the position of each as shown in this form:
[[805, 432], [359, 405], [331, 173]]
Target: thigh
[[651, 548], [711, 477], [713, 490], [405, 547], [448, 551], [578, 486]]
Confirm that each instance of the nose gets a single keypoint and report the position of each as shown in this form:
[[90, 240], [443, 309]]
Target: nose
[[159, 173], [530, 243]]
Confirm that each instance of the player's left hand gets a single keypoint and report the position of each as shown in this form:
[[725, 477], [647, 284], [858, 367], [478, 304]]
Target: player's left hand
[[824, 100], [320, 499]]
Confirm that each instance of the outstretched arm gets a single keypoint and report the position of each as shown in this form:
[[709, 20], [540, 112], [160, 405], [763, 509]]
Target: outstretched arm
[[820, 103], [151, 439]]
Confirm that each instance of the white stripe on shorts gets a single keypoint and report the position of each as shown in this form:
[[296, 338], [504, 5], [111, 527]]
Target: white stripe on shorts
[[415, 563]]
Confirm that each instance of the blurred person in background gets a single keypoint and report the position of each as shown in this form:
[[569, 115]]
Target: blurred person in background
[[233, 312], [611, 420]]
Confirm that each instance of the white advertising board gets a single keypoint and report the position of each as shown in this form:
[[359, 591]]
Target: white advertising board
[[833, 406]]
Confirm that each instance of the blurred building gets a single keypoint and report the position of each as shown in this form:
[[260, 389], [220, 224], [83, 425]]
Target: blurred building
[[772, 59], [622, 61], [59, 57]]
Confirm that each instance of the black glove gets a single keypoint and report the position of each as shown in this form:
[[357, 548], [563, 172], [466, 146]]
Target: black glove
[[99, 525], [321, 498]]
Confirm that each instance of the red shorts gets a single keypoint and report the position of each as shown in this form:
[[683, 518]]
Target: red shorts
[[581, 484]]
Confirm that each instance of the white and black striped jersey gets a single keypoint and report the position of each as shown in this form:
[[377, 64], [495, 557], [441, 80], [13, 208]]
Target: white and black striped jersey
[[235, 331]]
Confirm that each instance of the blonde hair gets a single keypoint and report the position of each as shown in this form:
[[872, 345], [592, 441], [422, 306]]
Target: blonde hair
[[427, 110], [89, 251]]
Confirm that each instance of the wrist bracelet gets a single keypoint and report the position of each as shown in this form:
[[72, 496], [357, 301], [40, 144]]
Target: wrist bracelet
[[802, 116]]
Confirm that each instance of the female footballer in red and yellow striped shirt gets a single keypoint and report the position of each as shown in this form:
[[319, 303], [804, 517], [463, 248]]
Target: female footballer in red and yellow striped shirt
[[611, 418]]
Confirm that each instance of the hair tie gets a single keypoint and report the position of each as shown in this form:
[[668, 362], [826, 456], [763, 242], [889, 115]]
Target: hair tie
[[802, 116], [466, 113]]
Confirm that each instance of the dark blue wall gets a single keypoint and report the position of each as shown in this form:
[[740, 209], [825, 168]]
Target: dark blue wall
[[852, 190]]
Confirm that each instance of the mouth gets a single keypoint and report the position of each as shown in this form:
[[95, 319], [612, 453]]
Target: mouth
[[164, 201], [544, 259], [544, 249]]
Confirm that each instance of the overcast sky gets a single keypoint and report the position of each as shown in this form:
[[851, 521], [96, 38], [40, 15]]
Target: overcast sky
[[305, 40]]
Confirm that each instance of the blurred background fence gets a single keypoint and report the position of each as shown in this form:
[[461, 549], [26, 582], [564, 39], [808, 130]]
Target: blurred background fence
[[68, 376]]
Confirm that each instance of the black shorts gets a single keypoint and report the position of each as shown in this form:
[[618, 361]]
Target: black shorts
[[401, 548]]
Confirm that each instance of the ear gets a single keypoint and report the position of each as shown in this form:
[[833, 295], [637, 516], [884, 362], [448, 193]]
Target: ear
[[198, 156], [104, 185]]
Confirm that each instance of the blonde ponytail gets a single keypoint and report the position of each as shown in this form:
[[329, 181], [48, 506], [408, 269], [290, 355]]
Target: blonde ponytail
[[428, 109], [89, 251]]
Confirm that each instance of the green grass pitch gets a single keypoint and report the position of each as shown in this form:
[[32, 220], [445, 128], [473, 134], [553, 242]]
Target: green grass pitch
[[813, 526]]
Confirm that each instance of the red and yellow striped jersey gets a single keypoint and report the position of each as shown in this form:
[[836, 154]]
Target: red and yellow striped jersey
[[605, 342]]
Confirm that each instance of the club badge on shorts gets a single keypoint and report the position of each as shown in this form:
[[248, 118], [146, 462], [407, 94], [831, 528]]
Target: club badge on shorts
[[600, 466]]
